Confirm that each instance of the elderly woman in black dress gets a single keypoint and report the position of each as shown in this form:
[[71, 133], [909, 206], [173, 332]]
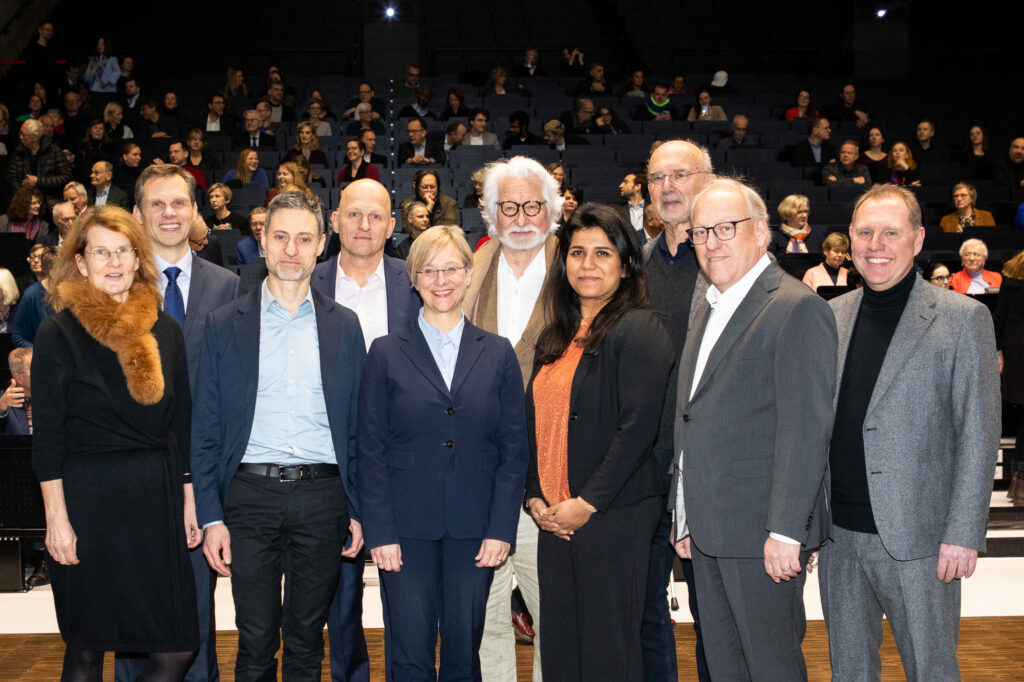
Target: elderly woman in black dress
[[111, 450]]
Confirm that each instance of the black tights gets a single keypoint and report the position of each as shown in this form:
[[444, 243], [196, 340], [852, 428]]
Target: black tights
[[83, 665]]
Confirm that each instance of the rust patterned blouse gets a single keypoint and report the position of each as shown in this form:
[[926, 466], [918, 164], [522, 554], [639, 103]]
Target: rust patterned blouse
[[552, 390]]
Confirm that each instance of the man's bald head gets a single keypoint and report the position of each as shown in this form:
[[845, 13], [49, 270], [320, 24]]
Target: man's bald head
[[676, 172], [363, 222]]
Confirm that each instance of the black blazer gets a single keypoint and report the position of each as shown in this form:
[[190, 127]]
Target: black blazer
[[243, 140], [614, 416], [432, 150], [804, 157]]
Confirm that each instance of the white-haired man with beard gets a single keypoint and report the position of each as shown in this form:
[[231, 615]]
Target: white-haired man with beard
[[520, 205]]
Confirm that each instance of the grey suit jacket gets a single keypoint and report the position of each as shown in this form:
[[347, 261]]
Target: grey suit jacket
[[754, 437], [211, 287], [931, 432]]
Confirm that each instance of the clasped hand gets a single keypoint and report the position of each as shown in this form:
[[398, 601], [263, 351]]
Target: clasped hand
[[563, 518]]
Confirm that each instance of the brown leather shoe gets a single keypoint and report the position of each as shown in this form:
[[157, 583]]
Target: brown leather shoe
[[523, 625]]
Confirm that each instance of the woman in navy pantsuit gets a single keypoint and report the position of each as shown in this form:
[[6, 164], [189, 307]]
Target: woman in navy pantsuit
[[442, 456]]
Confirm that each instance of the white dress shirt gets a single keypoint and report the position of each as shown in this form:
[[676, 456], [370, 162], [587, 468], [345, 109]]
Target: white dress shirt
[[184, 277], [212, 125], [636, 214], [368, 302], [517, 297]]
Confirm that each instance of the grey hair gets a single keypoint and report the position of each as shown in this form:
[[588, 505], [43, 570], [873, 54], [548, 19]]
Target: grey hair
[[518, 167], [77, 186], [363, 106], [973, 243], [300, 201], [33, 127]]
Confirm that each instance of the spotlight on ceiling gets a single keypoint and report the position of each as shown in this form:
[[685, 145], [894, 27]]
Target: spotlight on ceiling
[[881, 13], [390, 12]]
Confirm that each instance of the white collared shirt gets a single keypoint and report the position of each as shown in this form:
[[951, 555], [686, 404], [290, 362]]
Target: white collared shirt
[[184, 277], [517, 297], [212, 126], [101, 196], [636, 214], [368, 302]]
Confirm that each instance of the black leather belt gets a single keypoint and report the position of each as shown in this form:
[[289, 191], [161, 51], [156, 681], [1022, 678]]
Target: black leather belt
[[288, 474]]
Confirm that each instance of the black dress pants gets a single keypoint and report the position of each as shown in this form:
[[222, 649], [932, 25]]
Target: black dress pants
[[592, 593], [293, 529]]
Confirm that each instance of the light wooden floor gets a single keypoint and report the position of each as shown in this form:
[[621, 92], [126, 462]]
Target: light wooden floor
[[991, 649]]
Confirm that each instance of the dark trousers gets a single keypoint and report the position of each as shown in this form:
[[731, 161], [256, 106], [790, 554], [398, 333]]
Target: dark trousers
[[349, 659], [592, 593], [128, 667], [292, 529], [438, 589], [659, 638], [753, 627]]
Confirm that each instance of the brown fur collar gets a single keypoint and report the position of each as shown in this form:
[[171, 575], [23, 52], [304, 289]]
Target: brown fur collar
[[125, 328]]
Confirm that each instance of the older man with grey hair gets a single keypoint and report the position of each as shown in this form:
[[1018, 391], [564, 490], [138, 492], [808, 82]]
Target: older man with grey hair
[[750, 502], [63, 217], [521, 206], [76, 193], [37, 162]]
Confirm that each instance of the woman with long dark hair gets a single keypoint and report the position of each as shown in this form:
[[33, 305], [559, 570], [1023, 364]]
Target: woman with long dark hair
[[594, 409]]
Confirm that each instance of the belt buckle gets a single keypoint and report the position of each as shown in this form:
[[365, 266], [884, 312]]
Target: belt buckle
[[305, 473]]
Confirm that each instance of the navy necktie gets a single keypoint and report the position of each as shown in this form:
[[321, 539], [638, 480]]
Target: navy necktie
[[174, 304]]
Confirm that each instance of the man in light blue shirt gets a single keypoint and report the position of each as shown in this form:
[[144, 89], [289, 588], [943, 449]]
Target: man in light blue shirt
[[273, 438]]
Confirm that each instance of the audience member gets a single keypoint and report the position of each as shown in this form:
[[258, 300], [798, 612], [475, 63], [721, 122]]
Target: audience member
[[197, 156], [34, 306], [280, 112], [369, 138], [572, 63], [204, 244], [557, 171], [178, 154], [609, 123], [103, 192], [427, 189], [554, 135], [36, 162], [315, 113], [596, 84], [365, 93], [653, 225], [804, 107], [250, 248], [63, 218], [415, 221], [420, 108], [580, 121], [678, 85], [938, 274], [24, 213], [218, 197], [235, 83], [848, 109], [76, 119], [632, 190], [704, 110], [454, 134], [95, 146], [847, 172], [831, 272], [113, 119], [738, 136], [307, 144], [572, 197], [795, 234], [974, 278], [901, 165], [289, 179], [418, 150], [635, 86], [815, 149], [478, 133], [129, 166], [247, 171], [474, 198], [75, 193], [1010, 169], [411, 85], [495, 85], [965, 199], [357, 167], [171, 106], [923, 145], [456, 105], [657, 107], [16, 399], [268, 125], [8, 300], [519, 131], [874, 156], [153, 125], [216, 119], [530, 66], [976, 156], [719, 84]]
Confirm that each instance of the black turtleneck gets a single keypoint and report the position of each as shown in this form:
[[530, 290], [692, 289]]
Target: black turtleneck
[[879, 314], [832, 272]]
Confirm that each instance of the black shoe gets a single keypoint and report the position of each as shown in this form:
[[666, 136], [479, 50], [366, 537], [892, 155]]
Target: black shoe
[[40, 576]]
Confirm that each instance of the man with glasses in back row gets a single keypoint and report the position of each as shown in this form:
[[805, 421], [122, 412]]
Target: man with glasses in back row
[[418, 150]]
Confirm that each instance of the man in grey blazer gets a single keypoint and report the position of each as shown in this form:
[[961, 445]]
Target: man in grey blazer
[[753, 418], [165, 205], [913, 451]]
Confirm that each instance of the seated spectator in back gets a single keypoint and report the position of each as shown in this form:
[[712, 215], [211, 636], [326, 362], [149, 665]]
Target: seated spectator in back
[[216, 119], [815, 150], [289, 179], [937, 273], [846, 172], [597, 84], [23, 214], [554, 135], [247, 172], [572, 63], [126, 174], [364, 121], [704, 110], [804, 107], [177, 153], [478, 133], [901, 165], [473, 200], [152, 125], [197, 156], [923, 146], [307, 144], [635, 86], [356, 167], [418, 150], [580, 121], [738, 136], [365, 94], [519, 131], [252, 136], [15, 419], [965, 198], [103, 191], [37, 162], [976, 156], [795, 234], [34, 307], [203, 242], [63, 217], [848, 109], [456, 105], [1010, 170], [831, 272], [415, 221], [609, 123], [280, 112], [441, 208], [678, 85], [411, 85], [315, 113], [496, 84], [309, 178], [223, 218], [656, 107], [251, 248], [454, 134], [530, 66], [421, 107], [8, 299], [974, 278], [369, 139]]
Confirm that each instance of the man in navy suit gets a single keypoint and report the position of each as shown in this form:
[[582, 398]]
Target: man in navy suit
[[250, 249], [376, 288], [166, 207], [273, 440], [63, 217], [15, 401]]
